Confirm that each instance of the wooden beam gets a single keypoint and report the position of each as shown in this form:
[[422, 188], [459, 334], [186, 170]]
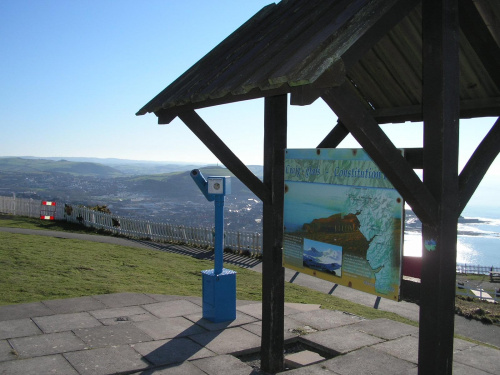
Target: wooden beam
[[273, 273], [469, 108], [166, 115], [371, 36], [337, 135], [304, 95], [478, 165], [480, 38], [414, 157], [367, 132], [440, 55], [196, 124]]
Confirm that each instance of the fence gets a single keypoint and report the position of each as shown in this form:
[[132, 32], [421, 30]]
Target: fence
[[474, 269], [250, 243], [194, 236]]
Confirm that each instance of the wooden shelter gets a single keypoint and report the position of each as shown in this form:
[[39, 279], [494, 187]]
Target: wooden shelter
[[372, 62]]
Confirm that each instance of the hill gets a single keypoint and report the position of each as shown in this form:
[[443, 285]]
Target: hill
[[140, 167], [22, 165], [179, 185]]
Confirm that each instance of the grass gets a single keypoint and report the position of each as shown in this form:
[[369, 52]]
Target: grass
[[36, 268], [473, 308]]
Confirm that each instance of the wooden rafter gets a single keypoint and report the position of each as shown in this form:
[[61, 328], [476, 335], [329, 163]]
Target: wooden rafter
[[205, 134], [478, 165], [337, 135], [480, 38], [367, 132], [371, 36]]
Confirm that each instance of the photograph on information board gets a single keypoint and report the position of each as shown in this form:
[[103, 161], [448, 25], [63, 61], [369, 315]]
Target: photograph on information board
[[342, 220]]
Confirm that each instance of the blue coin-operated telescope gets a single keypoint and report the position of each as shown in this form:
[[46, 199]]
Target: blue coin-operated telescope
[[219, 284]]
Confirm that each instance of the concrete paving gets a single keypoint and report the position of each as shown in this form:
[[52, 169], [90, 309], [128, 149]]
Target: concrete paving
[[133, 333]]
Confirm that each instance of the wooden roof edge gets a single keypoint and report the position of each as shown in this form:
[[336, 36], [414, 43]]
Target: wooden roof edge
[[153, 105], [167, 115]]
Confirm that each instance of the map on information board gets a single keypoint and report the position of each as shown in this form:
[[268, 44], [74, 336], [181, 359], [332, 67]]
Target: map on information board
[[342, 220]]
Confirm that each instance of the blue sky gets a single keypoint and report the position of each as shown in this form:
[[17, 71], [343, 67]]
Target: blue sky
[[74, 73]]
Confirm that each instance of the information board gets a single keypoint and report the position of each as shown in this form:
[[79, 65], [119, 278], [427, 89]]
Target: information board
[[343, 220]]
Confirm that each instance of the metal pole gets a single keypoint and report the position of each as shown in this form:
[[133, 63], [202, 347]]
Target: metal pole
[[219, 234]]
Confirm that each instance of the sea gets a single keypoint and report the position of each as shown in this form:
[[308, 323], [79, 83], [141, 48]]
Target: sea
[[478, 238]]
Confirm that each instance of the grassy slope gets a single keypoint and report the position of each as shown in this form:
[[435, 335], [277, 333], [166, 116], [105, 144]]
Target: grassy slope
[[36, 268], [249, 283]]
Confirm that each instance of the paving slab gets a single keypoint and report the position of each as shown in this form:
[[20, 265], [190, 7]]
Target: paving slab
[[368, 361], [18, 328], [185, 368], [296, 327], [385, 328], [54, 365], [340, 340], [124, 299], [255, 328], [302, 358], [255, 310], [292, 328], [104, 361], [6, 351], [52, 343], [66, 322], [168, 328], [317, 369], [459, 345], [25, 310], [118, 312], [230, 341], [165, 298], [326, 319], [165, 352], [122, 334], [243, 302], [405, 347], [480, 357], [172, 309], [458, 369], [73, 305], [223, 365], [196, 300], [128, 319], [461, 369], [241, 319]]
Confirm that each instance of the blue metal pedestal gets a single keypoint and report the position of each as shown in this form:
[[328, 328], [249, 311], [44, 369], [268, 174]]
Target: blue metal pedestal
[[219, 295]]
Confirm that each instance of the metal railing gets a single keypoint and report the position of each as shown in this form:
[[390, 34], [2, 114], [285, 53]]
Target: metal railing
[[250, 243], [475, 269]]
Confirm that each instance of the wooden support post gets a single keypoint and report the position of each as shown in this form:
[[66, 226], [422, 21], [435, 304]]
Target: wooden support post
[[337, 135], [273, 274], [441, 117]]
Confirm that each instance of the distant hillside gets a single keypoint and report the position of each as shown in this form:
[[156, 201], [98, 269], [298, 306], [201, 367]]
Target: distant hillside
[[142, 167], [21, 165], [180, 184]]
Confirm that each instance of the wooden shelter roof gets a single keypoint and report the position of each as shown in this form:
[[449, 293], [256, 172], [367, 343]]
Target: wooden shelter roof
[[301, 47], [372, 62]]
